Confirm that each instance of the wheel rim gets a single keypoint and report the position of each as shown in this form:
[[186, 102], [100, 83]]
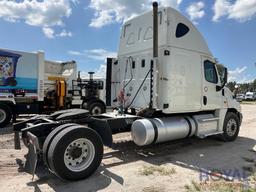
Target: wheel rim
[[96, 110], [231, 127], [79, 155], [2, 115]]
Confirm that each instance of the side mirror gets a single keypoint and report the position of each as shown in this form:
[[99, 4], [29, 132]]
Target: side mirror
[[223, 78]]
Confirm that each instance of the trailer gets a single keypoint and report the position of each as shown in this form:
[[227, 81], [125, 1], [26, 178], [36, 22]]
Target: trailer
[[29, 84], [21, 82], [165, 86]]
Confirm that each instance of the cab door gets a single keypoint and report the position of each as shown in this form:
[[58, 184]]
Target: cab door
[[211, 96]]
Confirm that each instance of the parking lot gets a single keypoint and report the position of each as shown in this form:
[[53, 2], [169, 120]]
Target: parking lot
[[172, 166]]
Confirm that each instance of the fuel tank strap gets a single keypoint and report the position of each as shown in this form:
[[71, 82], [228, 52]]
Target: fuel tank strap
[[155, 129], [190, 127]]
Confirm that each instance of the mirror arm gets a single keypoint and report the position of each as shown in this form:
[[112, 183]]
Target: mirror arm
[[219, 88]]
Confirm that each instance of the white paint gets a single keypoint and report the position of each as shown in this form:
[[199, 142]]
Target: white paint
[[180, 81]]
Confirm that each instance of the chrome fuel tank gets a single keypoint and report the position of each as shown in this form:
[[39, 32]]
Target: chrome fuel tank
[[157, 130]]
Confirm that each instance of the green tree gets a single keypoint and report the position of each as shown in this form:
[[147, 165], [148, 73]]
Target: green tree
[[244, 87], [231, 85], [254, 85]]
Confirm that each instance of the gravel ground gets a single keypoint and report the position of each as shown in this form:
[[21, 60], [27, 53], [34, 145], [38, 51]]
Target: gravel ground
[[171, 166]]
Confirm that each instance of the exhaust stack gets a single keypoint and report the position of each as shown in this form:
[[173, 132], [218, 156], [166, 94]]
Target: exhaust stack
[[91, 75], [155, 29], [154, 62], [79, 76]]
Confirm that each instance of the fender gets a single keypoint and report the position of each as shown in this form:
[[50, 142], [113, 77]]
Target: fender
[[101, 126]]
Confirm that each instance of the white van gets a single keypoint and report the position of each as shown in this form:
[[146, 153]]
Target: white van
[[250, 96]]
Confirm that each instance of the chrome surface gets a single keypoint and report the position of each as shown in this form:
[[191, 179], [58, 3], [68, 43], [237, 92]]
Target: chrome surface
[[79, 155], [231, 127], [169, 128]]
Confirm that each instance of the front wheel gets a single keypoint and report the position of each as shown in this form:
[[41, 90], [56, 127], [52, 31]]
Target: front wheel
[[96, 108], [230, 127], [75, 153], [5, 115]]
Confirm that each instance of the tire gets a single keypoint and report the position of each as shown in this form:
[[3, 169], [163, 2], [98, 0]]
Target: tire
[[5, 115], [49, 139], [231, 127], [96, 108], [75, 153]]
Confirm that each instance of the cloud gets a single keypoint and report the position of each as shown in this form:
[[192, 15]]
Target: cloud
[[240, 10], [43, 13], [64, 33], [48, 32], [76, 53], [195, 10], [96, 54], [113, 11], [99, 73], [239, 75], [99, 54]]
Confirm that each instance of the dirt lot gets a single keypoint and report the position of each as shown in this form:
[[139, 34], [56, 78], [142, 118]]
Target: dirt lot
[[173, 166]]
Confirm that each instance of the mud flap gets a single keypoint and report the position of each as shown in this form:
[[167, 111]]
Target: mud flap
[[31, 162], [103, 129], [16, 140]]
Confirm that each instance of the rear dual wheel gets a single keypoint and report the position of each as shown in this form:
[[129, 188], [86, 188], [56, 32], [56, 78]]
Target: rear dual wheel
[[50, 138], [75, 152]]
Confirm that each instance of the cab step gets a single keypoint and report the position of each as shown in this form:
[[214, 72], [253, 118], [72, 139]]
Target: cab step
[[202, 136]]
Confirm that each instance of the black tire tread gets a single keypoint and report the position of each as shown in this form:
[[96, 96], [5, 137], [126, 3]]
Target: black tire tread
[[57, 145], [8, 111], [49, 139], [224, 136], [93, 104]]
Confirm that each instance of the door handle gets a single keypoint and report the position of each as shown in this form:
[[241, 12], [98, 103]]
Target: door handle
[[205, 100]]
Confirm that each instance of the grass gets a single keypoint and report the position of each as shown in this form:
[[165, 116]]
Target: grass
[[161, 170], [152, 189], [193, 187], [249, 102], [254, 177]]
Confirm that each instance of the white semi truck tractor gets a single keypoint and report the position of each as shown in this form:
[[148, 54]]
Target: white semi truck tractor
[[164, 85]]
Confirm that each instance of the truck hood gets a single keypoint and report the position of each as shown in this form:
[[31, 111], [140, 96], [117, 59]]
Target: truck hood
[[232, 102]]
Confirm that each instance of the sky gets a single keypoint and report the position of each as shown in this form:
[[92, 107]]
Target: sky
[[88, 31]]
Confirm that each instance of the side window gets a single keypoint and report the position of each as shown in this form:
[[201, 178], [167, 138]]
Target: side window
[[148, 34], [131, 39], [133, 64], [143, 63], [126, 27], [210, 72], [181, 30]]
